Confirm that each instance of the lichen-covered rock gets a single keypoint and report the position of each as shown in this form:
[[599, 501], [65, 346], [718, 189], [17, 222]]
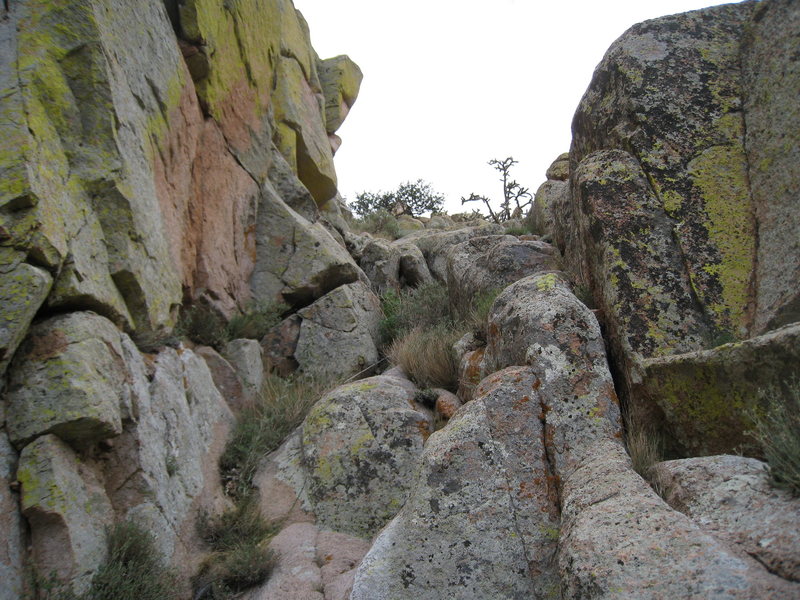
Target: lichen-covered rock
[[550, 196], [486, 265], [391, 266], [708, 397], [620, 540], [669, 93], [297, 261], [11, 526], [339, 333], [770, 84], [559, 169], [360, 446], [67, 509], [226, 379], [23, 289], [731, 498], [482, 518], [70, 378]]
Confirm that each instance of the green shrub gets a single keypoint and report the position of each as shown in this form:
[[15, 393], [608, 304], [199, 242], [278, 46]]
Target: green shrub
[[426, 355], [777, 429], [280, 407], [423, 306], [518, 230], [477, 318], [133, 571], [240, 555]]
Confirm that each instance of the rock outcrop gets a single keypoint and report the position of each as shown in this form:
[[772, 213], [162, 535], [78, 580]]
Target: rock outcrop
[[669, 218]]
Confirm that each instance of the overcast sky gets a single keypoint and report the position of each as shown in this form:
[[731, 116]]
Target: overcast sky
[[450, 84]]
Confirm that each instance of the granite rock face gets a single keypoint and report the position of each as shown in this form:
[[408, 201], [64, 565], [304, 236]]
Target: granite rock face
[[676, 218]]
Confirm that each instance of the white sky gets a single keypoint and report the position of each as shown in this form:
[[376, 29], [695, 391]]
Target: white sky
[[450, 84]]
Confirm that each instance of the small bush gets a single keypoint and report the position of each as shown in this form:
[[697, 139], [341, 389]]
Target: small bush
[[203, 325], [133, 571], [518, 230], [777, 429], [380, 223], [424, 306], [478, 313], [240, 557], [426, 355], [281, 406]]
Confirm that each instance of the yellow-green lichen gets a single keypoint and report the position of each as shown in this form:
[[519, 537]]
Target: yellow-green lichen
[[545, 283], [720, 173]]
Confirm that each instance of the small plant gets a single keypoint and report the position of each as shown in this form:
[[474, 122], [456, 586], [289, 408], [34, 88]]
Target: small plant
[[281, 406], [518, 230], [426, 355], [478, 313], [240, 557], [777, 429]]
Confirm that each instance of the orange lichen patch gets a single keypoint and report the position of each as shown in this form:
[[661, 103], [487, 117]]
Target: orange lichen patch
[[521, 402], [537, 384]]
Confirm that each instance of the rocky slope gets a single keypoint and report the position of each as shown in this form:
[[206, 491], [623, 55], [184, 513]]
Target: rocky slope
[[188, 162]]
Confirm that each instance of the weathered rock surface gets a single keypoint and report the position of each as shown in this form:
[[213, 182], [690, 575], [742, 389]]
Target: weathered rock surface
[[731, 498], [550, 197], [11, 525], [341, 79], [435, 244], [67, 509], [486, 265], [360, 445], [23, 289], [620, 540], [708, 397], [391, 266], [669, 92], [247, 359], [69, 378], [297, 261], [770, 82], [480, 518], [339, 333], [225, 377]]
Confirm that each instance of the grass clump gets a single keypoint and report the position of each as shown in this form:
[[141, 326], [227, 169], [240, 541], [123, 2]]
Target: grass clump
[[133, 571], [777, 429], [240, 555], [423, 306], [280, 407], [426, 355], [646, 449]]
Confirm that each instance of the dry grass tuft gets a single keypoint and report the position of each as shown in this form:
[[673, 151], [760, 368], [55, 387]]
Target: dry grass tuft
[[426, 355]]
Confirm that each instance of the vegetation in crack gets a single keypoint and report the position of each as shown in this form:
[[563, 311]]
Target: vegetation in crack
[[133, 570], [777, 429]]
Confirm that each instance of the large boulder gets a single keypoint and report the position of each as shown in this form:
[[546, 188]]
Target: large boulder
[[435, 244], [341, 79], [550, 197], [338, 334], [297, 261], [12, 549], [360, 446], [486, 265], [709, 397], [482, 519], [391, 266], [69, 378]]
